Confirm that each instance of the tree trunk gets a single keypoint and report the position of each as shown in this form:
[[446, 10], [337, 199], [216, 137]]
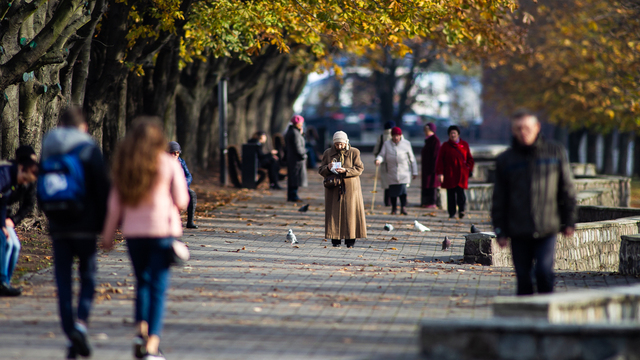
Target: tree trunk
[[574, 145], [608, 166], [592, 147], [10, 123], [623, 153]]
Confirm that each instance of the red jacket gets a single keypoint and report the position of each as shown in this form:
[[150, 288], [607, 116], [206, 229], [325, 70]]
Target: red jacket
[[455, 163]]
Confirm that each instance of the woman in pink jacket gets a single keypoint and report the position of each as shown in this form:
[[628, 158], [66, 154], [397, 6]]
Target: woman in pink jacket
[[149, 189]]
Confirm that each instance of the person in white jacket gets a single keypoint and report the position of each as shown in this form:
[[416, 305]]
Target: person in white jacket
[[401, 168]]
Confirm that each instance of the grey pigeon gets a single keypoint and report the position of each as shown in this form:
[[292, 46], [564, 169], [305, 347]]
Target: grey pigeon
[[304, 208], [446, 244], [292, 237], [388, 227], [474, 229]]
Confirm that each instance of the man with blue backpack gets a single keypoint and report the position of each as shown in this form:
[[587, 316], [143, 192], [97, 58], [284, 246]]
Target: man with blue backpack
[[22, 171], [72, 192]]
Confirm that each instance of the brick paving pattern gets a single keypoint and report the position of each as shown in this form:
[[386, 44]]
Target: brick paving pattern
[[248, 294]]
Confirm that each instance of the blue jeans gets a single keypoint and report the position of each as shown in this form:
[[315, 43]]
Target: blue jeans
[[151, 261], [64, 250], [11, 255], [527, 250]]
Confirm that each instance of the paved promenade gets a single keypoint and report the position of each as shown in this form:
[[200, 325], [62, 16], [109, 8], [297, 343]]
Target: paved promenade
[[248, 294]]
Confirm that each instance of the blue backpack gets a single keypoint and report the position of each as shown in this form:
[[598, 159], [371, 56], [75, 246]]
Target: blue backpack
[[61, 185]]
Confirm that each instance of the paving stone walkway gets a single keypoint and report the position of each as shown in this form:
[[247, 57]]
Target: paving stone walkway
[[248, 294]]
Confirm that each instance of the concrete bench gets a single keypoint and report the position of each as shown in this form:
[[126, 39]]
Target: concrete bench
[[527, 339], [615, 305]]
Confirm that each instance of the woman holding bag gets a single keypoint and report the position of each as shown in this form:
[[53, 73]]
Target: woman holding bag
[[149, 189], [344, 216]]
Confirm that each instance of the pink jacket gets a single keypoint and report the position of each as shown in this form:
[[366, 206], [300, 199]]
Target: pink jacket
[[158, 214]]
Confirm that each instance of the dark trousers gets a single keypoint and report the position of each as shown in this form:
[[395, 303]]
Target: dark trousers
[[64, 250], [429, 196], [193, 200], [273, 169], [455, 197], [292, 193], [387, 199], [394, 202], [150, 260], [527, 250]]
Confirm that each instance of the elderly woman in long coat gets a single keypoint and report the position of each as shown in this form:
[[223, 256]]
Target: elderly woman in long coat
[[401, 168], [344, 206]]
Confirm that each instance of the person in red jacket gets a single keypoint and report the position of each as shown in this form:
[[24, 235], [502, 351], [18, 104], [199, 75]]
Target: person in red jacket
[[454, 166]]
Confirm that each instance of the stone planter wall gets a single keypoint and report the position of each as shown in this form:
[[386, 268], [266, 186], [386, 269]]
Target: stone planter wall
[[601, 213], [596, 246], [630, 255]]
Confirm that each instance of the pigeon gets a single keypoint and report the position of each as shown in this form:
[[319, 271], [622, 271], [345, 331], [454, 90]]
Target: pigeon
[[304, 208], [292, 237], [388, 227], [446, 244], [420, 227], [474, 229]]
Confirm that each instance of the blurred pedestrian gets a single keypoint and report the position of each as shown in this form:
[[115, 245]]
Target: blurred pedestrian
[[344, 215], [149, 190], [533, 199], [312, 137], [25, 196], [20, 172], [175, 150], [454, 167], [267, 160], [386, 135], [429, 157], [75, 218], [296, 154], [401, 168]]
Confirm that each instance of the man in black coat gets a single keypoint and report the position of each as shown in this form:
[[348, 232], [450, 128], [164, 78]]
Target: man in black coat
[[296, 154], [267, 161], [533, 199]]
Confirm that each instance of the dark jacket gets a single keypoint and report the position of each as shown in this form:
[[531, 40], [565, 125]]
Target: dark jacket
[[61, 141], [187, 174], [25, 197], [263, 158], [429, 157], [533, 194], [296, 154], [8, 181]]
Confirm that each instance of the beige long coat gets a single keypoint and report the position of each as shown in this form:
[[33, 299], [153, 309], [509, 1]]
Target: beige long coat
[[344, 216]]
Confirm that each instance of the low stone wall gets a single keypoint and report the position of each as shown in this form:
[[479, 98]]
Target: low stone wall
[[602, 190], [595, 246], [521, 339], [601, 213]]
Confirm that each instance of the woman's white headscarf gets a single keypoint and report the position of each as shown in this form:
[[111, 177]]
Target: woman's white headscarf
[[341, 136]]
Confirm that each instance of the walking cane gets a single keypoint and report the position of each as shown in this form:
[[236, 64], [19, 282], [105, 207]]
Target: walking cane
[[375, 184]]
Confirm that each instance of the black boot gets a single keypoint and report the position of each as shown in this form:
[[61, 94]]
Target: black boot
[[191, 209], [8, 290], [350, 242], [335, 242], [403, 211]]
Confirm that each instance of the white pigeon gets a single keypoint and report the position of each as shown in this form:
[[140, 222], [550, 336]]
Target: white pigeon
[[420, 227], [388, 227], [292, 237]]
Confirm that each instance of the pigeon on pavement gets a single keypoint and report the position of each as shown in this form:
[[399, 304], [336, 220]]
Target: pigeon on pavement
[[446, 244], [388, 227], [292, 237], [304, 208], [420, 227], [474, 229]]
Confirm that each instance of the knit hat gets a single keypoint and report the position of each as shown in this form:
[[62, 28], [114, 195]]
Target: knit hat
[[431, 126], [396, 131], [389, 125], [340, 136], [26, 156], [297, 119], [453, 127], [174, 146]]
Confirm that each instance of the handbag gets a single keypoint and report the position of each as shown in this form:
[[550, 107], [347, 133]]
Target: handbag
[[332, 181], [179, 253]]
